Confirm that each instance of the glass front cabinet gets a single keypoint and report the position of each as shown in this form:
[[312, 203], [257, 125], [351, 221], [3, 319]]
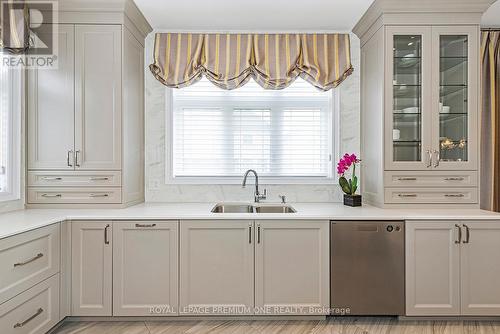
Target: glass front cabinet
[[431, 98]]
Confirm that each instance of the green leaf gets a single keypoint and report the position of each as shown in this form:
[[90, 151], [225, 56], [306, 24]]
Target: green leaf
[[344, 185], [354, 184]]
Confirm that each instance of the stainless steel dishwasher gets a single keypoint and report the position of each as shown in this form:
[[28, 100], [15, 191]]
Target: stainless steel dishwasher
[[367, 268]]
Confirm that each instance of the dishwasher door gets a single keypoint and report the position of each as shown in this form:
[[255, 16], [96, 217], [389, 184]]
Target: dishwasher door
[[367, 267]]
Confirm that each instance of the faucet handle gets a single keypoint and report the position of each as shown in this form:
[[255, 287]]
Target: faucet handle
[[283, 199]]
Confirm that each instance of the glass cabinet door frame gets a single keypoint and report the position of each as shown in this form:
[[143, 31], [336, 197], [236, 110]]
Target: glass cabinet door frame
[[425, 103], [473, 82]]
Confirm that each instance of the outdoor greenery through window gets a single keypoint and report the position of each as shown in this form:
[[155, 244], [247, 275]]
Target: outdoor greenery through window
[[219, 134]]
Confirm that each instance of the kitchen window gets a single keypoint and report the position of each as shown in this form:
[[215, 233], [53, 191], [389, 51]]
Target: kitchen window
[[215, 135], [10, 128]]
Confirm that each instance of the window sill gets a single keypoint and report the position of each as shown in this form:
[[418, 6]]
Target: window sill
[[262, 180]]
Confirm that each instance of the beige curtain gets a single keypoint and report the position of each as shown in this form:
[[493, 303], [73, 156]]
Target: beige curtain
[[14, 27], [490, 121], [274, 61]]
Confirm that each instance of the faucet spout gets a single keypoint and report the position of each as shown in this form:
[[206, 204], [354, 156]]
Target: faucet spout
[[257, 195]]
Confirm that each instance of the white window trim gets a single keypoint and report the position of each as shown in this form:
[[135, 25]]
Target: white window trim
[[169, 142], [15, 137]]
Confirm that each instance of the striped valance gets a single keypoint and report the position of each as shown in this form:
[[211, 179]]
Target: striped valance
[[273, 60], [14, 26]]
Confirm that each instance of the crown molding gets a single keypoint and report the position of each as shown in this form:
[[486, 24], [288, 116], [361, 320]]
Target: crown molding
[[425, 11]]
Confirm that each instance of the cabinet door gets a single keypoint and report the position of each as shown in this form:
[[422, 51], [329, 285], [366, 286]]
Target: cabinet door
[[292, 267], [480, 268], [216, 267], [408, 92], [91, 270], [98, 97], [145, 268], [432, 268], [455, 97], [51, 110]]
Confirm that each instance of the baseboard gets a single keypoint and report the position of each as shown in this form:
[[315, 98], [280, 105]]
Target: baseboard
[[198, 318]]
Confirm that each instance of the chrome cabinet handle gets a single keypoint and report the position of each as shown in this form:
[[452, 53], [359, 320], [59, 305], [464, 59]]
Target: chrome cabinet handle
[[77, 155], [98, 195], [454, 179], [70, 152], [21, 324], [438, 157], [249, 233], [51, 196], [459, 234], [429, 155], [407, 195], [46, 178], [145, 225], [106, 240], [407, 179], [454, 195], [99, 178], [467, 234], [258, 233], [36, 257]]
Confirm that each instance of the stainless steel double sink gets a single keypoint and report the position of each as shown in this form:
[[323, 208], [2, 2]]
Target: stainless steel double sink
[[252, 208]]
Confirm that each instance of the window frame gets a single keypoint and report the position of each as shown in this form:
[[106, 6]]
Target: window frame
[[14, 160], [227, 180]]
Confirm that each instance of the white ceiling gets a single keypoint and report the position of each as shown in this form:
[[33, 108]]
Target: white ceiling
[[264, 15], [253, 15]]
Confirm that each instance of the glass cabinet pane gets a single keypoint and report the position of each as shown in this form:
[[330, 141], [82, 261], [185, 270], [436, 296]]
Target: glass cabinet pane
[[407, 98], [453, 113]]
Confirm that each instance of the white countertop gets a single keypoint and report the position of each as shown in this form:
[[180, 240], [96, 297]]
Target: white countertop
[[16, 222]]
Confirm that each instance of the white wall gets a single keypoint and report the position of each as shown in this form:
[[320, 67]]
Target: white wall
[[158, 191]]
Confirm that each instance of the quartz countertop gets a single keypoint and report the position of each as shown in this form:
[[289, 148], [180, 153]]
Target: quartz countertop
[[16, 222]]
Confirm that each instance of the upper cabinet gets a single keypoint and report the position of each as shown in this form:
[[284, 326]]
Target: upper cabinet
[[420, 102], [86, 117]]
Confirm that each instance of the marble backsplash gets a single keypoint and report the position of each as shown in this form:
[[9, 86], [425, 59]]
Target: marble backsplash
[[158, 191]]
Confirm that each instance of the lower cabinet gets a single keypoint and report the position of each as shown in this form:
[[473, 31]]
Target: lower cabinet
[[216, 267], [292, 267], [145, 262], [452, 268], [34, 311], [246, 267], [91, 268]]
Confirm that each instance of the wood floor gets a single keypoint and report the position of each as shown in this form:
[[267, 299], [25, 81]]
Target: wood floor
[[329, 326]]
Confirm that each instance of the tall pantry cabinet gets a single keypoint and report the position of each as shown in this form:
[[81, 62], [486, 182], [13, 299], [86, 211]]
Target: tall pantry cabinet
[[420, 102], [86, 118]]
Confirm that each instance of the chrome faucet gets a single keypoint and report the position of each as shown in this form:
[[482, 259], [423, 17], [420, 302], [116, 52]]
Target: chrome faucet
[[257, 195]]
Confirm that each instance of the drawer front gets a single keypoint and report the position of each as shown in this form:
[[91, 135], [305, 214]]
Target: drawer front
[[49, 195], [34, 311], [76, 178], [27, 259], [431, 179], [431, 196]]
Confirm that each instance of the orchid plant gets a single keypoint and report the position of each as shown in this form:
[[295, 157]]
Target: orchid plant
[[349, 186]]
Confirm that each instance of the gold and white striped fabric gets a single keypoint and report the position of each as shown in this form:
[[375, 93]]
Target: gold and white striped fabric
[[274, 61], [14, 27], [490, 120]]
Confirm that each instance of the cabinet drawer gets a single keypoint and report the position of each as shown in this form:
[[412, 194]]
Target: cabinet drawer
[[27, 259], [49, 195], [431, 195], [35, 311], [74, 178], [444, 179]]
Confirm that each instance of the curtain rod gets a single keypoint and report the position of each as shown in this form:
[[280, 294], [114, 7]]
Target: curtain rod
[[490, 29]]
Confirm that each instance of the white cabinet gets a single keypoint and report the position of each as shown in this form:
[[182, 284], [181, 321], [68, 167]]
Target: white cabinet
[[423, 120], [289, 271], [432, 268], [216, 267], [292, 267], [452, 268], [91, 268], [480, 268], [98, 97], [145, 274], [51, 109]]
